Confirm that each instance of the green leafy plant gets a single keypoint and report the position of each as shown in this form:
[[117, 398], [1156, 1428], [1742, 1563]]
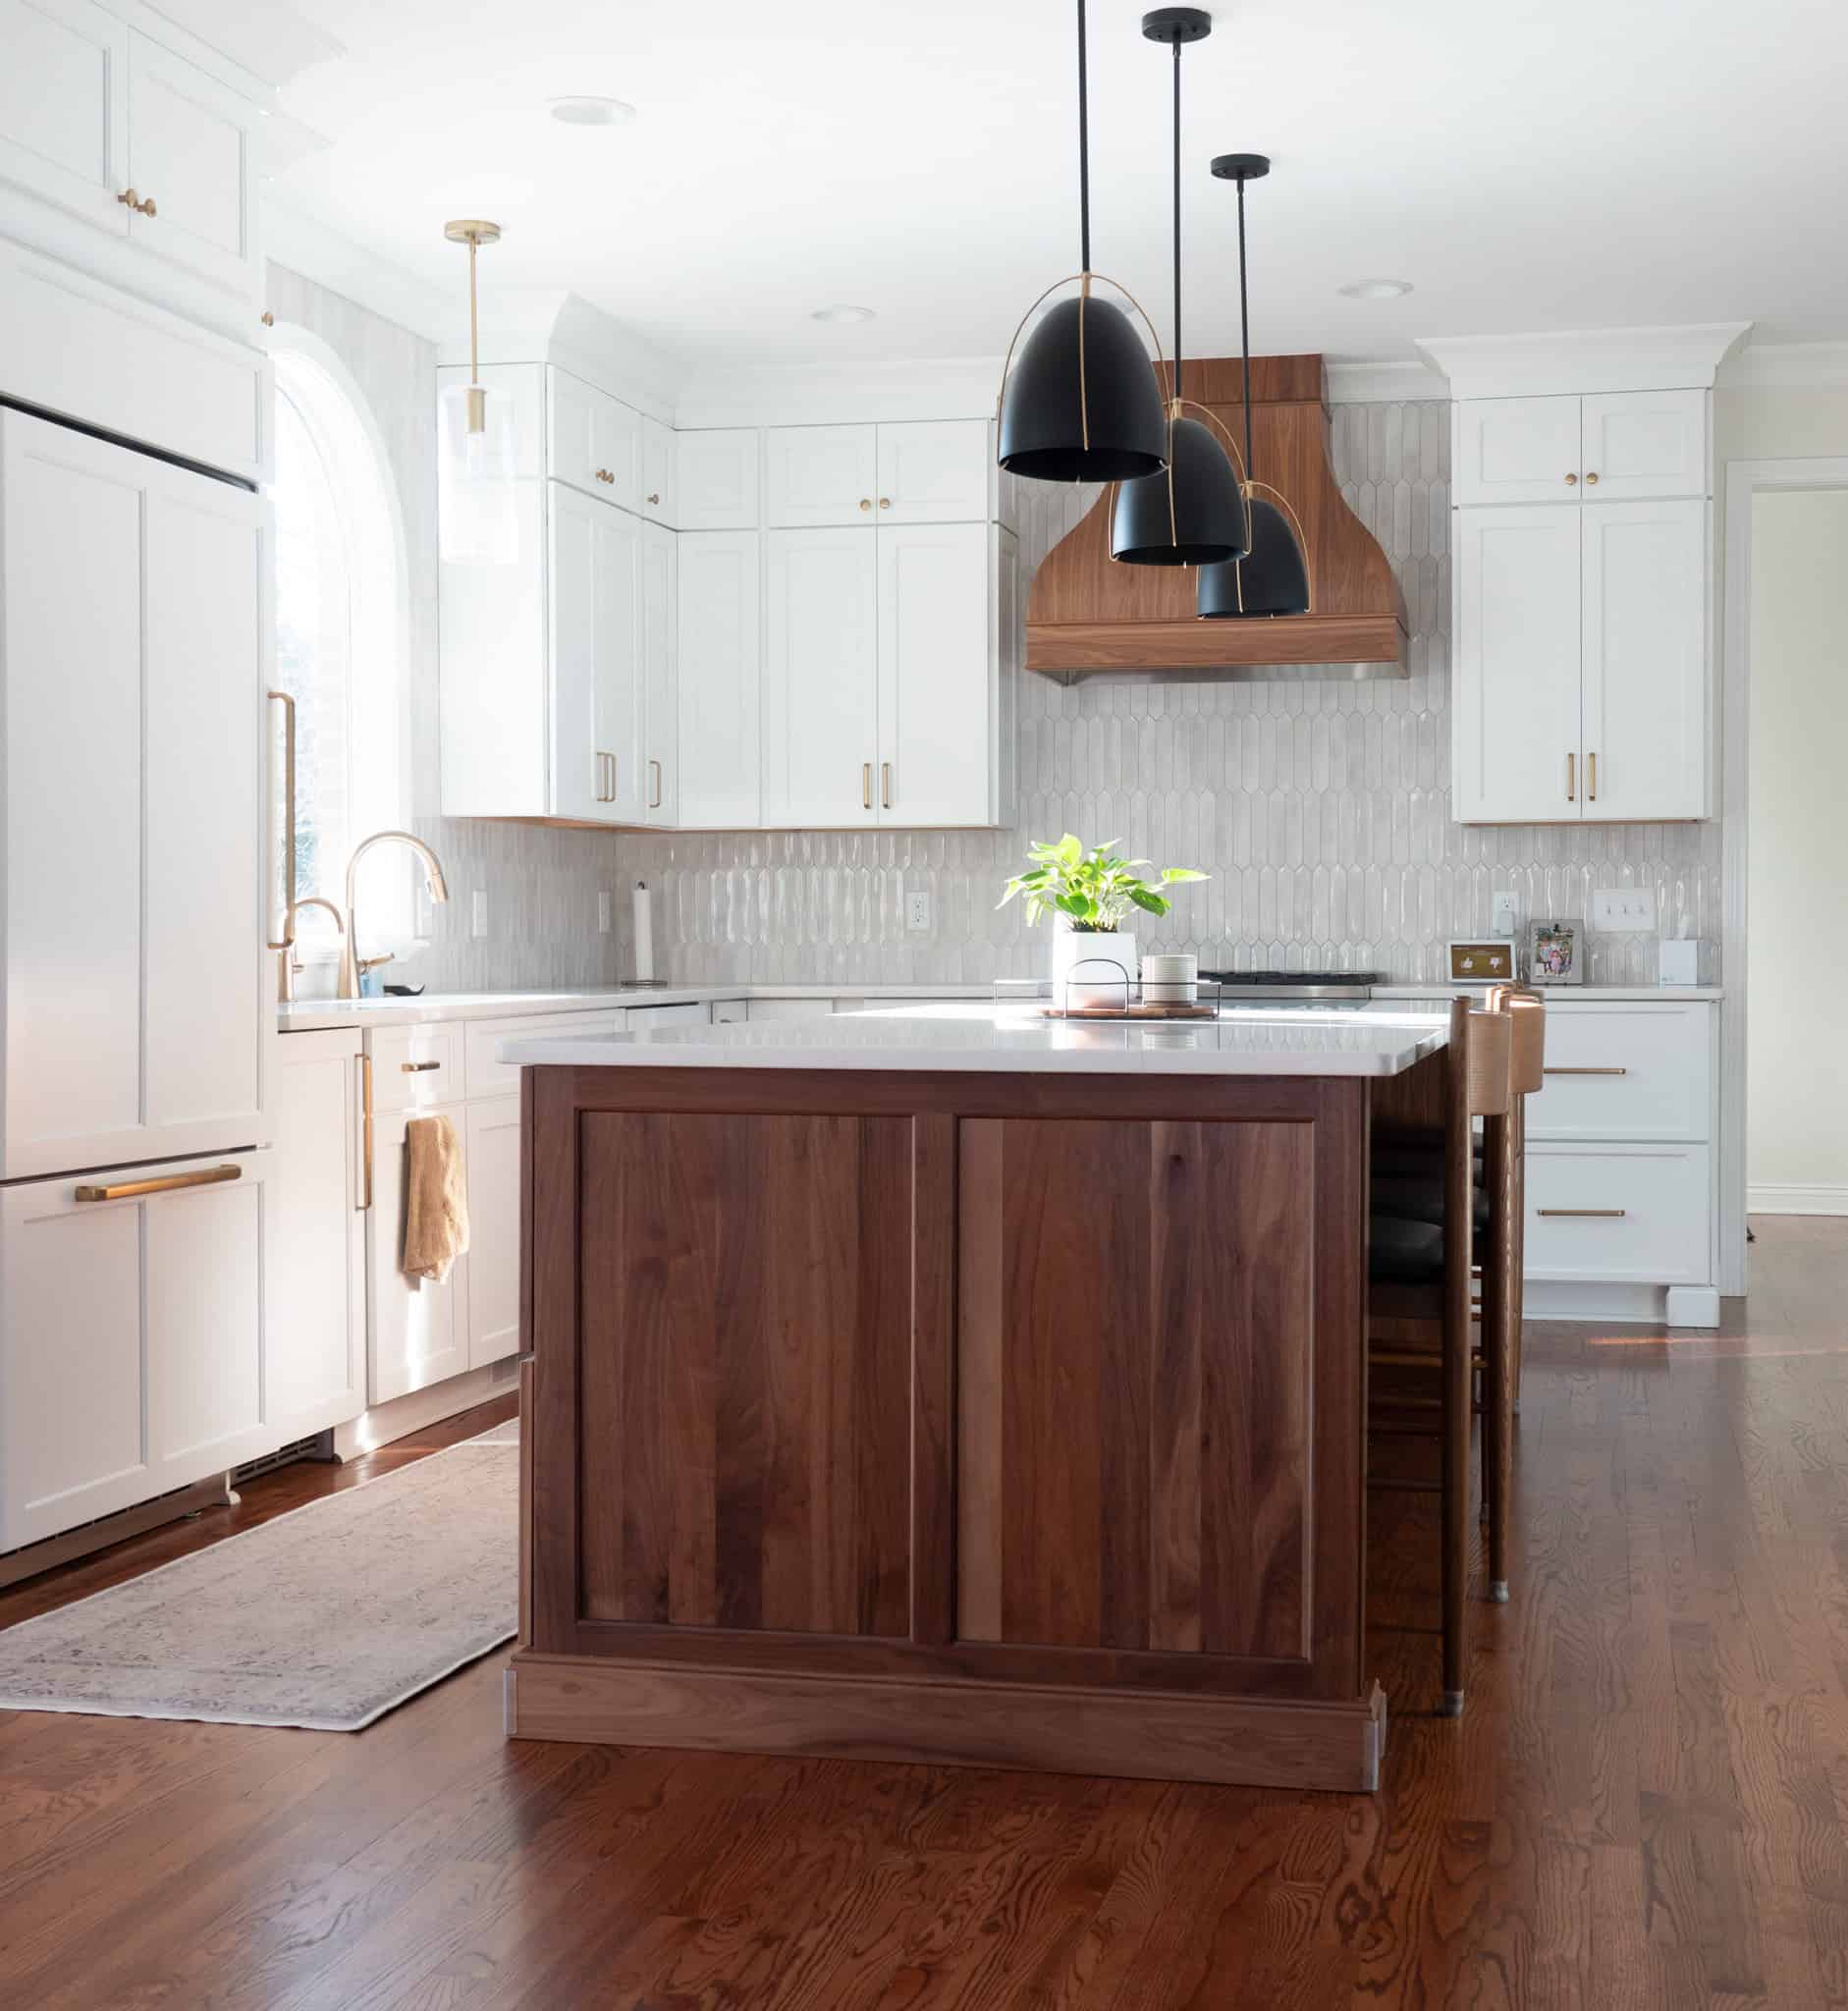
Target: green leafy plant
[[1093, 890]]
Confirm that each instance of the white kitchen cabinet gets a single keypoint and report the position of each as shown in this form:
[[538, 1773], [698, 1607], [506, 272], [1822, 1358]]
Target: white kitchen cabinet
[[1515, 696], [593, 440], [192, 163], [1619, 1213], [937, 676], [64, 107], [417, 1329], [1642, 443], [660, 675], [1515, 450], [657, 472], [1640, 1072], [595, 581], [417, 1068], [1644, 733], [815, 476], [716, 479], [493, 1229], [315, 1289], [731, 1011], [489, 1077], [132, 1336], [934, 471], [821, 685], [719, 675], [133, 762]]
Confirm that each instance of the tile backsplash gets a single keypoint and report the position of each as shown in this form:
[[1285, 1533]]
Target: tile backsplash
[[1320, 806]]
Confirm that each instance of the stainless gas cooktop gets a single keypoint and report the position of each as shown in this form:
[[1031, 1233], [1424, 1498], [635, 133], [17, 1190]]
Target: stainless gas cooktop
[[1295, 986]]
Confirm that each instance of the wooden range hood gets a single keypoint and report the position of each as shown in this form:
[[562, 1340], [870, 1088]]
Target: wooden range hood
[[1087, 614]]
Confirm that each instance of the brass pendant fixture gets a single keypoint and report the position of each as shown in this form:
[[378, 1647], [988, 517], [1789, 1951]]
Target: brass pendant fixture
[[477, 493]]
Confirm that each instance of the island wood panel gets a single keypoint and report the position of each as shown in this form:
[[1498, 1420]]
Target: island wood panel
[[745, 1380], [1136, 1356]]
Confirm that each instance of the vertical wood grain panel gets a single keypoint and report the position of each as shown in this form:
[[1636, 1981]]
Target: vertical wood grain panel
[[739, 1401], [933, 1499], [1338, 1596], [876, 1544], [1183, 1278], [979, 1394]]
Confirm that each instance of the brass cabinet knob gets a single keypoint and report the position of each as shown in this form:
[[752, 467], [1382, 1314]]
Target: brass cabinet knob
[[655, 497], [134, 203], [1592, 479], [268, 319], [1571, 481], [147, 207], [884, 501], [866, 502]]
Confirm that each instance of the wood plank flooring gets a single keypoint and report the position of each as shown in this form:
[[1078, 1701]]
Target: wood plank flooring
[[1643, 1807]]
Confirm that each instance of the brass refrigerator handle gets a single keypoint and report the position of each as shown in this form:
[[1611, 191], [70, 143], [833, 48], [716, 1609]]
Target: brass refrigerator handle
[[365, 1133], [1584, 1071], [165, 1183], [288, 705], [1588, 1214]]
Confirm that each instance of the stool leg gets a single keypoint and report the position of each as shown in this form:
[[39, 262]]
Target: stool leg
[[1456, 1413], [1500, 1295]]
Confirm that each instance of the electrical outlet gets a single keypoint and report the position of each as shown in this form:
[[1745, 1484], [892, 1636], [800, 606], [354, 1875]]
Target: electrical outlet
[[478, 913], [1503, 914], [917, 910], [603, 911], [1618, 909]]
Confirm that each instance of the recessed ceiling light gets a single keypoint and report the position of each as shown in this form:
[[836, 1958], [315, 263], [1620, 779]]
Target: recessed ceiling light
[[592, 111], [841, 313], [1376, 289]]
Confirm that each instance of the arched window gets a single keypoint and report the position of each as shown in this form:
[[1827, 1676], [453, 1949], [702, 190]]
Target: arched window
[[342, 639]]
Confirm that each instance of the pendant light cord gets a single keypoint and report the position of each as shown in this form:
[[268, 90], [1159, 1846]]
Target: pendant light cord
[[1084, 153], [1244, 330], [1175, 387]]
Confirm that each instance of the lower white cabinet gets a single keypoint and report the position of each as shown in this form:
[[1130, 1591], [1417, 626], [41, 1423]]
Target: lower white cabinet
[[416, 1329], [1619, 1213], [493, 1229], [134, 1338]]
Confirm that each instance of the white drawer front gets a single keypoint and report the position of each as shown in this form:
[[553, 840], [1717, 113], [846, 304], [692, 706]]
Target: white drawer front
[[416, 1067], [489, 1077], [1640, 1072], [1619, 1213]]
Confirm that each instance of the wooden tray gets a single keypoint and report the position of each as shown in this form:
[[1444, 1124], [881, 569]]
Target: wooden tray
[[1136, 1011]]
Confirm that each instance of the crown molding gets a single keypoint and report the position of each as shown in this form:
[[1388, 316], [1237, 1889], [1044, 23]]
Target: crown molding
[[1585, 360], [1786, 365], [554, 325], [305, 245], [272, 42], [804, 394], [1359, 381]]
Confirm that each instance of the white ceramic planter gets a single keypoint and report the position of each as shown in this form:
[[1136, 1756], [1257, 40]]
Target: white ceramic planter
[[1091, 970]]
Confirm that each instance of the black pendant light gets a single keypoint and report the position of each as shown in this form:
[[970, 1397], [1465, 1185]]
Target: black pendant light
[[1192, 514], [1272, 578], [1085, 404]]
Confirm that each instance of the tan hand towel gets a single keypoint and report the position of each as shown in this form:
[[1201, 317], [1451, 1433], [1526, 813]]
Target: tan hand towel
[[436, 1203]]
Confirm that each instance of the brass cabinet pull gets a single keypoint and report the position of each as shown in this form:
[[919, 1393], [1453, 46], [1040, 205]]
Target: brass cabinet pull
[[866, 785], [884, 501], [885, 784], [288, 705], [606, 778], [1571, 777], [1588, 1214], [134, 203], [1591, 763], [365, 1133], [1571, 481], [654, 801], [604, 475], [1584, 1071], [1592, 479], [417, 1068], [866, 502], [655, 497], [167, 1183]]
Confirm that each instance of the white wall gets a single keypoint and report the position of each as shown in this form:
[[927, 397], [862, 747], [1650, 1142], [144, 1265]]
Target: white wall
[[1797, 950]]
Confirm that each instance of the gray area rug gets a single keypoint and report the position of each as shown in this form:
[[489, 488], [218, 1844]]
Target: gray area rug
[[326, 1617]]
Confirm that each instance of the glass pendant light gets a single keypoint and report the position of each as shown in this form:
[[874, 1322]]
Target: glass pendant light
[[1193, 513], [478, 494], [1085, 404], [1272, 578]]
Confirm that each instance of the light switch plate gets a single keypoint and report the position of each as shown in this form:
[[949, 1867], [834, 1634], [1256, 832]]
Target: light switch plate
[[917, 910], [1618, 909]]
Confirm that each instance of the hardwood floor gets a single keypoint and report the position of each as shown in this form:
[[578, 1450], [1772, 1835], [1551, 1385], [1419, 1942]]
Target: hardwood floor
[[1644, 1805]]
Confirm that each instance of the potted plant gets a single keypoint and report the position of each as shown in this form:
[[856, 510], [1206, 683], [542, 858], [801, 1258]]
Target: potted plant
[[1091, 894]]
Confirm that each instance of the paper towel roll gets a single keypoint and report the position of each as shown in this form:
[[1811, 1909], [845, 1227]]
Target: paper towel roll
[[644, 933]]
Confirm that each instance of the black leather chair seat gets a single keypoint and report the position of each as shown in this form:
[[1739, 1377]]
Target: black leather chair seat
[[1401, 1251], [1419, 1197]]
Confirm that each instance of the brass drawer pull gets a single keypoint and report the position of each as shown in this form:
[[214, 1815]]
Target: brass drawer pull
[[1584, 1071], [417, 1068], [1588, 1214], [167, 1183]]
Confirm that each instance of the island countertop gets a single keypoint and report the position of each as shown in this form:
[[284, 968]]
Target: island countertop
[[976, 1038]]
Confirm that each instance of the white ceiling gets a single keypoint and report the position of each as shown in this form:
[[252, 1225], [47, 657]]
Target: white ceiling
[[1526, 164]]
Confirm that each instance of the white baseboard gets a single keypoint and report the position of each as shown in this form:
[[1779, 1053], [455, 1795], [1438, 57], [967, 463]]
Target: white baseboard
[[1777, 1197], [1656, 1305], [404, 1415]]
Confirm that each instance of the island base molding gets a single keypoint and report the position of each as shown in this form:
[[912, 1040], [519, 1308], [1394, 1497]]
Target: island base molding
[[1131, 1735]]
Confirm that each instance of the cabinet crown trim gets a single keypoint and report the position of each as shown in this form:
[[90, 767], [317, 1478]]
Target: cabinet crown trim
[[1590, 359]]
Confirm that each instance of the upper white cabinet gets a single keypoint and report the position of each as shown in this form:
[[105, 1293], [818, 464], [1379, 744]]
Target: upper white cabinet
[[595, 703], [716, 482], [594, 440], [925, 472], [133, 707], [64, 106], [721, 659], [657, 472], [934, 471], [191, 168], [819, 475], [821, 687], [660, 659], [1611, 447]]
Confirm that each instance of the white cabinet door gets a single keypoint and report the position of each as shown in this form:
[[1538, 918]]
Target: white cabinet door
[[316, 1366], [719, 655], [1640, 1072], [192, 164], [819, 475], [131, 1337], [417, 1329], [1515, 693], [595, 589], [936, 675], [1638, 444], [660, 696], [821, 682], [1622, 1214], [1516, 450], [593, 440], [137, 1022], [714, 479], [493, 1230], [64, 118], [1645, 652], [934, 471], [657, 472]]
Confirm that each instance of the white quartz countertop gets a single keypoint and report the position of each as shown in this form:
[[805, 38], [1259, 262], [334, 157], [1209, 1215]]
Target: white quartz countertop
[[974, 1037]]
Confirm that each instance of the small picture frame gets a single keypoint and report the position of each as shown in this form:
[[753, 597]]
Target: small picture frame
[[1555, 951], [1486, 961]]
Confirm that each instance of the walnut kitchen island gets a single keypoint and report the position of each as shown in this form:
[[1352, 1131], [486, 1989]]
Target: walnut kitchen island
[[943, 1385]]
